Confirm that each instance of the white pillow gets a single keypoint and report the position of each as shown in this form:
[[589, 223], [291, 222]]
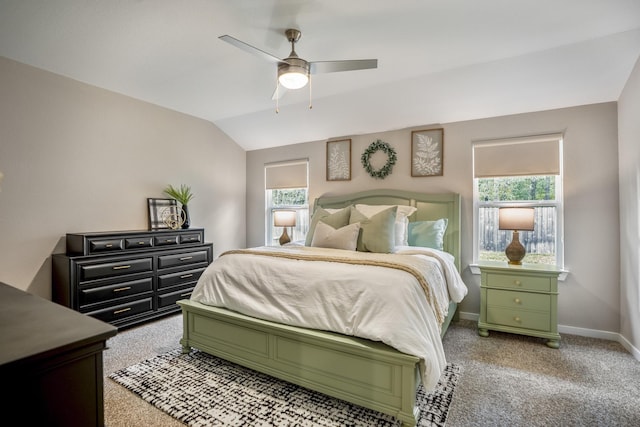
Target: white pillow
[[325, 236], [370, 210], [402, 219]]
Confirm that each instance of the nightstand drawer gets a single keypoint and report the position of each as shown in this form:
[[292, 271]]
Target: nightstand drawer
[[519, 318], [519, 300], [518, 281], [117, 290], [110, 269]]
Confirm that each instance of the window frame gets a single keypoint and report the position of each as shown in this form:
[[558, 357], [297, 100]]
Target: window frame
[[290, 177], [302, 213], [558, 203]]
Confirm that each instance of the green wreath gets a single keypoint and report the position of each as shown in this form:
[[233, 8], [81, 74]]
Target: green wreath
[[391, 159]]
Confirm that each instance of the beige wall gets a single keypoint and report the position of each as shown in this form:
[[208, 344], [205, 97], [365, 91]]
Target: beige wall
[[589, 298], [629, 158], [78, 158]]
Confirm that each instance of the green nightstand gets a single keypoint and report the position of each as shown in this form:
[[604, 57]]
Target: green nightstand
[[521, 299]]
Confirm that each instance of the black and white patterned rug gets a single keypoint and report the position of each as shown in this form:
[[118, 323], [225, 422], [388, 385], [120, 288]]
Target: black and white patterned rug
[[202, 390]]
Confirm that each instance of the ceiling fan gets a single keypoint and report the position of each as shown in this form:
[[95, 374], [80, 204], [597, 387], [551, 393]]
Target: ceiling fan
[[293, 71]]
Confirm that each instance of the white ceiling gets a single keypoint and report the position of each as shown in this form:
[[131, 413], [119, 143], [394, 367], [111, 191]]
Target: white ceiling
[[438, 60]]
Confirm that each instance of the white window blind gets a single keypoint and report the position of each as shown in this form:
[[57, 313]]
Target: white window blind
[[291, 174], [536, 155]]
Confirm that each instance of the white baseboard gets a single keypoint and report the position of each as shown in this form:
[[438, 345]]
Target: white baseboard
[[583, 332]]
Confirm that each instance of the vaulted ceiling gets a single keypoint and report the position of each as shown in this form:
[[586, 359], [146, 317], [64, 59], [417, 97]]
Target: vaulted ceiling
[[438, 60]]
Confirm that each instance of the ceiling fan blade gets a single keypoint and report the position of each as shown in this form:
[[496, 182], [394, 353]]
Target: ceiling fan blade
[[318, 67], [250, 49], [278, 92]]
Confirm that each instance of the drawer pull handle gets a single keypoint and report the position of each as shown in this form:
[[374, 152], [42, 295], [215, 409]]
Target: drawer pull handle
[[186, 295], [517, 319], [186, 276], [169, 240], [185, 258], [141, 243], [126, 288], [517, 283], [109, 245], [121, 267], [517, 300], [122, 311]]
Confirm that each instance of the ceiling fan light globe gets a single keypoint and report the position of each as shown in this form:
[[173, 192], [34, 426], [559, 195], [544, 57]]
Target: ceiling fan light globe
[[293, 79], [294, 73]]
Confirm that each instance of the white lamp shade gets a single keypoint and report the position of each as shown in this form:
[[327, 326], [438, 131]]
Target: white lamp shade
[[284, 218], [515, 219]]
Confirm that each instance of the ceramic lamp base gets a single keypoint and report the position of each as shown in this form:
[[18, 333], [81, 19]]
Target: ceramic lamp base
[[515, 251], [284, 239]]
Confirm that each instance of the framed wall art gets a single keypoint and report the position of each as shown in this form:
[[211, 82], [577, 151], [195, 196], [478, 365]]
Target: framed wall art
[[427, 149], [339, 160], [159, 209]]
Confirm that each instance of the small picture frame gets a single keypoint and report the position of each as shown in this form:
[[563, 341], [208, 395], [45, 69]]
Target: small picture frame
[[158, 211], [339, 160], [427, 152]]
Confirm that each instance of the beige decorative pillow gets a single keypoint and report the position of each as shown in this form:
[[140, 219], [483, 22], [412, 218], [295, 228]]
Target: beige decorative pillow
[[377, 233], [325, 236], [402, 219], [336, 220]]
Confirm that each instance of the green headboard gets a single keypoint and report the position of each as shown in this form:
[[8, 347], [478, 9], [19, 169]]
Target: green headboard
[[430, 208]]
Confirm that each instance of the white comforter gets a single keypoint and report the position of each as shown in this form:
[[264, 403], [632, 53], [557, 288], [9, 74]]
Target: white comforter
[[377, 303]]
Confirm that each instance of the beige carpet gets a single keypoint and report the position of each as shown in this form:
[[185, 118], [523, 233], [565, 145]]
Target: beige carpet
[[507, 380]]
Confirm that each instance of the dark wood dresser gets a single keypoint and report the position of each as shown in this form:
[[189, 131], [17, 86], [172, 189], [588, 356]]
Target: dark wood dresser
[[128, 277], [50, 362]]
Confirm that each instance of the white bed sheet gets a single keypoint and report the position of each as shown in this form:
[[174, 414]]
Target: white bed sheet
[[372, 302]]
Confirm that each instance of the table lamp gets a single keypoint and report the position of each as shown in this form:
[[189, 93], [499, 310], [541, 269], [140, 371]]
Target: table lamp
[[516, 219], [284, 219]]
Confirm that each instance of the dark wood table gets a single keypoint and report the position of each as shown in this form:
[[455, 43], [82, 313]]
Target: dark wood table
[[50, 362]]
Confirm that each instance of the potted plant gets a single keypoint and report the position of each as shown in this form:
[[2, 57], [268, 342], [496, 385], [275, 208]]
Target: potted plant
[[184, 196]]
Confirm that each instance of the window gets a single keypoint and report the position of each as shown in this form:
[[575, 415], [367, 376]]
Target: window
[[286, 188], [521, 172]]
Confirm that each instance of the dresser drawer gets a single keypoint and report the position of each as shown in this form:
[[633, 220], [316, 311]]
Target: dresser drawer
[[138, 242], [185, 258], [182, 277], [520, 281], [516, 300], [165, 240], [170, 298], [111, 269], [117, 290], [106, 245], [519, 318], [122, 311], [191, 238]]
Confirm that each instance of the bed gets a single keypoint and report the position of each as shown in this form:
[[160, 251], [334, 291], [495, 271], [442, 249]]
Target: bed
[[366, 372]]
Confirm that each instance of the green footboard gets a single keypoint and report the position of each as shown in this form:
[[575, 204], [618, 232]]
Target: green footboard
[[360, 371]]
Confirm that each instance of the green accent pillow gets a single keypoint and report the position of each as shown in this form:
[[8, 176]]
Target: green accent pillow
[[336, 220], [428, 234], [377, 233]]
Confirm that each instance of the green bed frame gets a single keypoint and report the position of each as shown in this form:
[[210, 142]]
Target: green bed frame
[[360, 371]]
